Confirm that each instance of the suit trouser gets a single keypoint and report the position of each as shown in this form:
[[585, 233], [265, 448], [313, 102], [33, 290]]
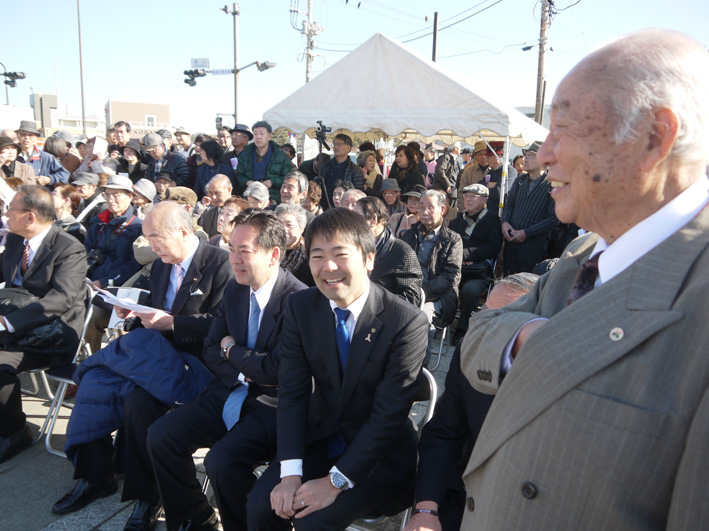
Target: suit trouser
[[470, 292], [95, 460], [522, 257], [350, 505], [12, 363], [230, 463]]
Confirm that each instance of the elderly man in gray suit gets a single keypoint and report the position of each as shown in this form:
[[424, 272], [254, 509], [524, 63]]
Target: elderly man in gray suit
[[601, 419]]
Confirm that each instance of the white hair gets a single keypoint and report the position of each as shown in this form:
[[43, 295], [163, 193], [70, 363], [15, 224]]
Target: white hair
[[642, 72], [297, 211], [439, 196]]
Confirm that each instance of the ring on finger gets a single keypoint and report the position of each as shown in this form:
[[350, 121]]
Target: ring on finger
[[302, 502]]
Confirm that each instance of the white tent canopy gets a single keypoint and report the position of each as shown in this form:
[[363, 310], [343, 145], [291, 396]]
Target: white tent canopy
[[384, 89]]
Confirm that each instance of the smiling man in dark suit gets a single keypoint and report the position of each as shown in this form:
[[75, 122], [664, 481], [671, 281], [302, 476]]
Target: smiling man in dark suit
[[346, 448], [242, 350], [186, 286], [42, 259]]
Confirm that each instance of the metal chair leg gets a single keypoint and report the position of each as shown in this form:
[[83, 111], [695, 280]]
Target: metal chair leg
[[440, 349]]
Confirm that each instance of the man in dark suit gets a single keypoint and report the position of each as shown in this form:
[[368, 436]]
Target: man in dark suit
[[448, 439], [346, 448], [42, 259], [188, 281], [242, 350]]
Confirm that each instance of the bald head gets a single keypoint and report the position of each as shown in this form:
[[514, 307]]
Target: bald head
[[169, 216], [638, 74]]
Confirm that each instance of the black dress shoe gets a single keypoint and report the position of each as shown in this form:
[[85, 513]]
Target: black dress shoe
[[458, 335], [144, 517], [83, 494], [13, 444], [207, 523]]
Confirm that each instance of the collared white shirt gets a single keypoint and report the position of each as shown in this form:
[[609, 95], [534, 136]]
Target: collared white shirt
[[172, 287], [650, 232], [638, 241], [294, 467], [35, 243]]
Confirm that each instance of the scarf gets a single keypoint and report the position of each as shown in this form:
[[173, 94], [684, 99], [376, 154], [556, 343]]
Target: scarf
[[295, 257]]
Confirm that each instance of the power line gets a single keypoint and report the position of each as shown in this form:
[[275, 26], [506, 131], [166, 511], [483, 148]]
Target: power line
[[454, 23], [443, 21], [487, 50], [558, 10]]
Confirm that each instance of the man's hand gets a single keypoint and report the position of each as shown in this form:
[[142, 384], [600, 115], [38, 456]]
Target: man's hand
[[507, 231], [314, 495], [225, 340], [267, 183], [115, 154], [283, 494], [524, 333], [424, 521], [122, 313], [43, 181], [518, 236], [159, 320], [491, 185], [206, 200], [96, 284]]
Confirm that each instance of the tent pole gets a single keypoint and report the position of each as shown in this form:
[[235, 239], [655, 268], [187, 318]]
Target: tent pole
[[505, 164]]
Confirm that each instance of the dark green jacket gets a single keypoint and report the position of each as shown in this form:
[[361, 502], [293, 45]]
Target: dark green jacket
[[278, 167]]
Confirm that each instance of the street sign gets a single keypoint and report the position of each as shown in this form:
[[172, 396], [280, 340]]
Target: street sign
[[222, 72], [199, 63]]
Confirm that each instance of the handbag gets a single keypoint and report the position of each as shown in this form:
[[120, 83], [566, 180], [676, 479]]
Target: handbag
[[50, 337]]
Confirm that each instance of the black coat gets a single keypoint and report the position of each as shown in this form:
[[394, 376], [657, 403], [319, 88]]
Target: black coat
[[443, 270], [397, 269], [368, 403], [484, 242], [407, 180], [198, 298], [261, 363], [55, 275]]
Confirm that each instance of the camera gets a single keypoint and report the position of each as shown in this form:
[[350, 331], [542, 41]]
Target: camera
[[94, 258], [322, 130]]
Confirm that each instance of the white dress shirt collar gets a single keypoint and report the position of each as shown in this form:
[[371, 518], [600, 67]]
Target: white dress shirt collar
[[263, 294], [651, 231], [355, 309]]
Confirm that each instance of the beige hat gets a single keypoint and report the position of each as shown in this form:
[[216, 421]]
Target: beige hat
[[477, 189], [480, 145]]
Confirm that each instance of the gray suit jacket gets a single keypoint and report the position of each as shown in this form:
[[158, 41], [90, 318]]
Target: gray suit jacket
[[603, 420]]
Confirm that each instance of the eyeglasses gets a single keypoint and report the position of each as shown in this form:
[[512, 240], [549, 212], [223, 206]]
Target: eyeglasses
[[151, 150], [10, 209], [339, 144]]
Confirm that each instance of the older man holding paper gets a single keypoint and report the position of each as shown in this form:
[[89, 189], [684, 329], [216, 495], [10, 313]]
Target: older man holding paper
[[118, 385]]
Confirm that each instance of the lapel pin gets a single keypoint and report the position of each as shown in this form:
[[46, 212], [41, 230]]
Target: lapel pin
[[373, 330], [368, 338], [616, 334]]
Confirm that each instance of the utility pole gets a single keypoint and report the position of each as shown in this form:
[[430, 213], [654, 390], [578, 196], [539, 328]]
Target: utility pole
[[310, 30], [539, 107], [435, 36], [235, 13]]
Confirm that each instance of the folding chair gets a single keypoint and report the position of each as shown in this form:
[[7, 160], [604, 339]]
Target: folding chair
[[63, 375], [428, 391]]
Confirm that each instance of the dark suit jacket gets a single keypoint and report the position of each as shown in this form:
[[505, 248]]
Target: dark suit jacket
[[370, 405], [447, 440], [486, 239], [197, 299], [259, 364], [56, 275], [208, 221]]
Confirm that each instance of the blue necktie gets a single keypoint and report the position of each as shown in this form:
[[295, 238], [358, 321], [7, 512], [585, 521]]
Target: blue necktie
[[342, 336], [232, 406], [335, 443]]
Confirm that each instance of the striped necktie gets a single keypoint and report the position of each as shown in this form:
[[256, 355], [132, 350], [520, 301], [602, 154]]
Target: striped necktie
[[25, 259]]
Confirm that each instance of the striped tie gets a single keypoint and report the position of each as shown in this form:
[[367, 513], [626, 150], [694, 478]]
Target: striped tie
[[25, 259]]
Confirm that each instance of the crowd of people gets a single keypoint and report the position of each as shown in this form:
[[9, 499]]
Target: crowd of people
[[293, 307]]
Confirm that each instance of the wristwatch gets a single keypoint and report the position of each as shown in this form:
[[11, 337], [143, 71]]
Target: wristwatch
[[225, 349], [339, 481]]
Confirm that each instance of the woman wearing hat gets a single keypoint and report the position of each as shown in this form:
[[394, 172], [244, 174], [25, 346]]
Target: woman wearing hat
[[405, 169], [132, 161], [402, 221], [11, 167]]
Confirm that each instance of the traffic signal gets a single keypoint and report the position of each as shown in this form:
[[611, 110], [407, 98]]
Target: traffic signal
[[218, 122], [12, 76], [200, 72]]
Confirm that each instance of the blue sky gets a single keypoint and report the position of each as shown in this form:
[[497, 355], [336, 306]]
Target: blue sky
[[137, 51]]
